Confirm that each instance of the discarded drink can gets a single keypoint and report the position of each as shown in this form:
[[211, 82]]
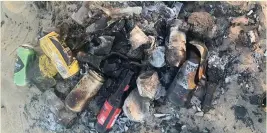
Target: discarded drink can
[[138, 38], [60, 56], [148, 84], [190, 76], [184, 81], [86, 88], [25, 56], [136, 107], [176, 47]]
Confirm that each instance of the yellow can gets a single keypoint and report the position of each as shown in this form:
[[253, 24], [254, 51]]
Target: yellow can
[[61, 56]]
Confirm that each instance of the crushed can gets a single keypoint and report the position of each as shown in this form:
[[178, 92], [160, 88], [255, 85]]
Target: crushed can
[[176, 48], [203, 50], [136, 107], [61, 56], [42, 72], [138, 38], [148, 84], [86, 89], [24, 57], [184, 81]]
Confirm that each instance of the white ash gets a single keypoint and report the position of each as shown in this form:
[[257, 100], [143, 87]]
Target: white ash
[[183, 127], [157, 58], [216, 61], [161, 92], [227, 80], [195, 101], [192, 110], [200, 114], [214, 102], [198, 108], [161, 115], [231, 78], [247, 85], [256, 57], [222, 90]]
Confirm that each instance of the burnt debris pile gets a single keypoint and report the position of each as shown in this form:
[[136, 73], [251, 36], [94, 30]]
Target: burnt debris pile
[[109, 68]]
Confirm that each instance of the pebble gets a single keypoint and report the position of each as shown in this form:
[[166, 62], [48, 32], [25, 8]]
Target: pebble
[[251, 89], [255, 16], [201, 114], [167, 118], [183, 127], [247, 85], [227, 80], [198, 108], [91, 124], [160, 115], [177, 116], [249, 13], [214, 102], [222, 90], [162, 130], [252, 36], [126, 128], [192, 110]]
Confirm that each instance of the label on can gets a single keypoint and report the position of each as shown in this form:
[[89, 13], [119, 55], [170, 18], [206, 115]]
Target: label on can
[[18, 65], [189, 73], [60, 66]]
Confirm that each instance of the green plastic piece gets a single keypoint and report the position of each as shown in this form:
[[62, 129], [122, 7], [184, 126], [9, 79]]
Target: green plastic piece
[[24, 57]]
